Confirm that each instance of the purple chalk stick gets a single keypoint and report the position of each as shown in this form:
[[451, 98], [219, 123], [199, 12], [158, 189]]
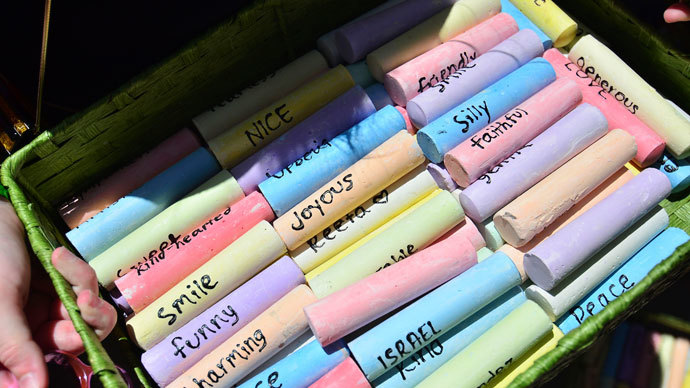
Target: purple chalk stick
[[530, 164], [564, 251], [306, 138], [495, 64], [164, 362], [357, 39], [441, 176]]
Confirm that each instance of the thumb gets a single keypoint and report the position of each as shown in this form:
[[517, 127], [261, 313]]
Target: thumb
[[18, 352]]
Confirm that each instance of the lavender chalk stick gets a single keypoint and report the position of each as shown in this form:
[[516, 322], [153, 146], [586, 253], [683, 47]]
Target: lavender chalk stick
[[176, 353], [564, 251], [305, 139], [498, 62], [461, 122], [537, 159], [357, 39], [379, 96], [441, 176]]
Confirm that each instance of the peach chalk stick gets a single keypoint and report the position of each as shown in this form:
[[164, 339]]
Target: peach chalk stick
[[613, 183], [352, 307], [346, 375], [430, 33], [530, 213], [371, 174], [276, 85], [650, 146], [549, 18], [252, 345], [257, 130], [677, 372], [491, 145], [413, 77], [631, 90], [226, 271], [87, 204], [184, 254]]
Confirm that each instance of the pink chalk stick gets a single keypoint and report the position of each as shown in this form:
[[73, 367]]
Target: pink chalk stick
[[352, 307], [346, 375], [83, 206], [437, 64], [490, 146], [155, 276], [468, 230], [408, 124], [650, 146]]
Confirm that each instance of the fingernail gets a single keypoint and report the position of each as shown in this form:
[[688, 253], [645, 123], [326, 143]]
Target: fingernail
[[28, 381]]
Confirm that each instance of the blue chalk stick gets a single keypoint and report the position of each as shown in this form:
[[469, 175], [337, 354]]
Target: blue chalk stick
[[420, 323], [287, 188], [379, 96], [116, 221], [461, 122], [524, 22], [360, 74], [413, 370], [624, 278], [677, 171], [301, 368]]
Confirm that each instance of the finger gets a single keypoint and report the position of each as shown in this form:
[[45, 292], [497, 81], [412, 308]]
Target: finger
[[58, 311], [677, 13], [75, 270], [8, 380], [59, 335], [18, 352], [99, 314]]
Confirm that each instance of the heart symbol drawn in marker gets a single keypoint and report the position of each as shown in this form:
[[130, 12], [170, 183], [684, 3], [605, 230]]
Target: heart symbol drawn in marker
[[381, 197]]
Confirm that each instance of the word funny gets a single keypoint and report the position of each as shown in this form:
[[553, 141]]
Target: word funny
[[472, 115], [433, 79], [326, 198], [223, 317]]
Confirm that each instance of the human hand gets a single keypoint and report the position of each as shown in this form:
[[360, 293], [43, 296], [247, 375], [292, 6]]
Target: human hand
[[34, 319], [678, 12]]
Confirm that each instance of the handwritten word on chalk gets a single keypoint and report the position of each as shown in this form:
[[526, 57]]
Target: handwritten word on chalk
[[603, 298], [498, 127], [400, 350], [433, 350], [326, 198], [618, 95], [259, 343], [399, 256], [228, 317], [262, 127], [495, 373], [441, 85], [307, 156], [487, 177], [472, 114], [427, 83], [238, 94], [270, 381], [179, 302]]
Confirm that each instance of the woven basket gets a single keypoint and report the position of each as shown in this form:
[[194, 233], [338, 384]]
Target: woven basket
[[260, 38]]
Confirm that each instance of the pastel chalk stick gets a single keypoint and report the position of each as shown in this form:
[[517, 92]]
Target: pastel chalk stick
[[490, 235], [595, 228], [677, 172], [378, 95], [430, 33], [678, 357], [188, 344], [284, 352], [493, 352], [357, 39], [226, 271], [459, 123], [433, 314], [364, 219], [360, 74], [274, 86], [482, 72], [665, 357], [624, 278], [255, 343], [533, 162], [345, 375], [517, 367], [411, 233], [305, 140], [113, 223], [530, 213], [650, 146], [288, 187], [411, 371], [352, 307], [88, 203], [441, 176], [468, 230], [213, 197], [488, 147], [484, 254], [301, 368], [549, 18], [243, 139], [164, 267], [524, 22], [640, 98], [408, 124], [424, 71], [374, 172], [597, 268]]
